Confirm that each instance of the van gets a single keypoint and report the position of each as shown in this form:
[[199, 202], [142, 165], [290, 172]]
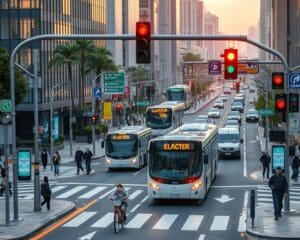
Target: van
[[229, 143]]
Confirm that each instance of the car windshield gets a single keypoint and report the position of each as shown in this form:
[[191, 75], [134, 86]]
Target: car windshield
[[213, 110], [228, 138], [232, 123], [121, 149], [159, 118], [252, 111], [234, 113]]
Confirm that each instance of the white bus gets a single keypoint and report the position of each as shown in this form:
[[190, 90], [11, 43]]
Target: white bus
[[127, 147], [164, 117], [180, 93], [183, 164]]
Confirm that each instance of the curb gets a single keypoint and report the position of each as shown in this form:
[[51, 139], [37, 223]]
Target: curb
[[259, 235], [203, 106]]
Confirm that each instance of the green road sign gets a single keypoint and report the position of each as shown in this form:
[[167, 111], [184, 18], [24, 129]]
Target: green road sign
[[114, 82], [6, 105], [266, 112], [142, 103]]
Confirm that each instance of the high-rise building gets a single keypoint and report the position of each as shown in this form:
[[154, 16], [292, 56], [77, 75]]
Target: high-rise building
[[20, 20], [252, 51], [265, 24], [211, 27]]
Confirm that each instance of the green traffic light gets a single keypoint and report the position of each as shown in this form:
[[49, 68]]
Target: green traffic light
[[230, 69]]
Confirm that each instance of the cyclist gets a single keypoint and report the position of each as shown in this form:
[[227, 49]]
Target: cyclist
[[121, 194]]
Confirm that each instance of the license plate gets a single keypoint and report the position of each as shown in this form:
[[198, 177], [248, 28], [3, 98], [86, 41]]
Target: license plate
[[227, 154]]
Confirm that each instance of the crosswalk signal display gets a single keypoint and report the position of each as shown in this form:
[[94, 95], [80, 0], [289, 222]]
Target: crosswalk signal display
[[230, 63], [293, 102], [143, 42]]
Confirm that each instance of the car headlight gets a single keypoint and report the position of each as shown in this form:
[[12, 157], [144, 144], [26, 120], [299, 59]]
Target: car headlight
[[153, 185], [196, 185]]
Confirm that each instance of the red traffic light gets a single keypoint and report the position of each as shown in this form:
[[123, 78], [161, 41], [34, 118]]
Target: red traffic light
[[143, 42], [119, 106], [142, 29], [277, 80], [94, 119], [280, 102]]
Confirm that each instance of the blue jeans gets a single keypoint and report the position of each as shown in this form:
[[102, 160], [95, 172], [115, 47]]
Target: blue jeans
[[295, 174], [56, 169], [277, 203]]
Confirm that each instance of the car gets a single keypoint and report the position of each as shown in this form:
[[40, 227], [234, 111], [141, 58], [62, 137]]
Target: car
[[214, 113], [252, 89], [219, 104], [223, 97], [235, 115], [229, 143], [252, 100], [226, 91], [232, 123], [237, 106], [239, 99], [252, 115], [202, 119]]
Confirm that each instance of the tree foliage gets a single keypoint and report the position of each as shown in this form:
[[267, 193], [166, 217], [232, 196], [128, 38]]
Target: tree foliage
[[138, 74], [191, 57], [21, 84]]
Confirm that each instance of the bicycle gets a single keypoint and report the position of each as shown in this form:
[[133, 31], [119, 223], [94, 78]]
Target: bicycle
[[118, 215]]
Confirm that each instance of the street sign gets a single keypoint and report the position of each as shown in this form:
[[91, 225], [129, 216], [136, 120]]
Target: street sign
[[294, 80], [142, 103], [242, 68], [114, 83], [214, 67], [252, 68], [97, 92], [6, 105], [266, 112]]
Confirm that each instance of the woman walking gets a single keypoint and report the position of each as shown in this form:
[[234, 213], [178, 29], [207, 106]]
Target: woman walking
[[46, 192]]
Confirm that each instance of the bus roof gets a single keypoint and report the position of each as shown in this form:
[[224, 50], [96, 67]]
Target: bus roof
[[184, 86], [136, 130], [170, 104]]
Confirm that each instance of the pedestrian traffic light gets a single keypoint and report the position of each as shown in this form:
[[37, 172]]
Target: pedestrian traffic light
[[293, 102], [94, 119], [277, 80], [230, 63], [119, 109], [143, 42], [280, 102]]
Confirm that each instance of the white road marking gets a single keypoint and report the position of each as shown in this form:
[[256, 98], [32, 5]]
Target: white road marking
[[107, 193], [92, 193], [29, 196], [144, 199], [236, 186], [192, 223], [138, 221], [58, 188], [245, 161], [71, 192], [80, 219], [106, 220], [201, 237], [135, 208], [243, 218], [165, 222], [135, 194], [219, 223]]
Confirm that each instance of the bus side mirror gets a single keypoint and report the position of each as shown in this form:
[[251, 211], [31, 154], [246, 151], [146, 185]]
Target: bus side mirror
[[242, 141], [140, 144], [205, 156], [102, 144]]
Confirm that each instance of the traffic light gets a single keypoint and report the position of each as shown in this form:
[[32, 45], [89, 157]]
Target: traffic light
[[143, 42], [119, 109], [94, 119], [230, 63], [280, 103], [237, 87], [277, 80], [293, 102]]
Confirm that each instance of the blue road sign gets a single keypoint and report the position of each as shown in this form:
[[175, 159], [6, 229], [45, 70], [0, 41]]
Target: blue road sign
[[294, 80], [214, 67], [97, 92]]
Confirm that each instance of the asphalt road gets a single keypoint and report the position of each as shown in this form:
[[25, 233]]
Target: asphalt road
[[218, 217]]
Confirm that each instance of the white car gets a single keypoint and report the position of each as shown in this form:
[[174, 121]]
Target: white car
[[252, 115], [223, 97], [202, 119], [214, 113], [232, 123], [219, 104]]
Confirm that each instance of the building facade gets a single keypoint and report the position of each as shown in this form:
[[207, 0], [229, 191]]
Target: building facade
[[252, 52], [265, 26], [211, 27]]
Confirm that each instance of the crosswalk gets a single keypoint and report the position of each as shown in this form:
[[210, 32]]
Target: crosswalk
[[264, 195]]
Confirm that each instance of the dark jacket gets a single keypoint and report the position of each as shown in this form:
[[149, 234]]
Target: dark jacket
[[44, 156], [45, 190], [278, 184], [88, 155], [78, 156], [265, 159], [295, 162]]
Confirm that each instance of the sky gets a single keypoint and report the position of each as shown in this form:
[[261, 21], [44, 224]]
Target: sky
[[235, 16]]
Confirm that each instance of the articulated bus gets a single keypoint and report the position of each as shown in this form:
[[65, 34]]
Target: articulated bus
[[180, 93], [183, 164], [127, 147], [164, 117]]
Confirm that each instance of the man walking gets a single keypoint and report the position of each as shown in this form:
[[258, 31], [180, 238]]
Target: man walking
[[46, 192], [265, 159], [78, 160], [278, 184], [44, 158], [87, 156], [295, 166]]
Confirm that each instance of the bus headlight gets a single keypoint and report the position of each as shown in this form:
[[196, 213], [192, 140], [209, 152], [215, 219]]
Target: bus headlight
[[133, 161], [196, 185], [108, 161], [153, 185]]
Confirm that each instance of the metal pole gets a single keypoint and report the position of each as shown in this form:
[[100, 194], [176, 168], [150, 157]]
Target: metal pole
[[37, 199], [93, 113], [70, 124], [51, 127], [7, 208]]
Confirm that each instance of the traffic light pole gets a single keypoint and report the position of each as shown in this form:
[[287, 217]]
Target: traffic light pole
[[195, 37]]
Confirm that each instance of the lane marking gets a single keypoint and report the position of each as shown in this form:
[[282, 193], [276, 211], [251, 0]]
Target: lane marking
[[80, 219], [243, 218], [135, 194], [62, 221], [244, 145], [104, 184], [105, 221], [107, 193], [92, 193], [71, 192], [219, 223], [165, 222], [135, 208], [145, 199], [237, 186], [201, 237], [138, 221], [192, 223]]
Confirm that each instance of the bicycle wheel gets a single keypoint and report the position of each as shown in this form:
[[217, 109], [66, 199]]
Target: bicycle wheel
[[116, 222]]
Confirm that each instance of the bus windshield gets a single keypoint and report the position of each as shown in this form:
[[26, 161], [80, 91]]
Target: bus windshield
[[121, 148], [175, 165], [176, 95], [159, 118], [228, 138]]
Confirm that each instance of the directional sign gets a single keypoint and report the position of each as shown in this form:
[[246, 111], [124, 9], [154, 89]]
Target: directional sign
[[224, 199], [242, 68], [6, 105], [142, 103], [252, 68], [266, 112], [214, 67], [97, 92], [114, 83], [294, 80]]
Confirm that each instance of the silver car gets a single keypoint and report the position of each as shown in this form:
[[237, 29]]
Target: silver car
[[219, 104], [214, 113], [252, 115]]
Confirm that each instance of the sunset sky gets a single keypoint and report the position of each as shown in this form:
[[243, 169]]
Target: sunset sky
[[235, 16]]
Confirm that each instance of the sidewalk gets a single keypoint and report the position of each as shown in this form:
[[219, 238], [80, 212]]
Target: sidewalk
[[202, 104], [30, 221], [265, 226]]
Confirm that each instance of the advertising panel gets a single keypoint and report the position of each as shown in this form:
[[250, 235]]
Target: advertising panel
[[24, 165], [278, 156]]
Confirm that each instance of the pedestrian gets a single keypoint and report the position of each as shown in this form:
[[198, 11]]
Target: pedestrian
[[279, 186], [3, 181], [44, 158], [87, 157], [56, 163], [78, 160], [265, 159], [295, 166], [46, 192]]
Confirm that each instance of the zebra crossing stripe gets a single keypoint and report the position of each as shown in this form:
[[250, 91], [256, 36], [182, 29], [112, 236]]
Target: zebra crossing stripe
[[138, 221], [192, 223], [80, 219], [71, 192], [201, 237], [135, 194], [165, 222], [58, 188], [219, 223], [105, 221], [29, 196], [92, 193]]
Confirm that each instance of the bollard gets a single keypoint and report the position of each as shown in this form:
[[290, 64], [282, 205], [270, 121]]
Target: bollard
[[252, 206]]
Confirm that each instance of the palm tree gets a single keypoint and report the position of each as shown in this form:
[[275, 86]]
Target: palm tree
[[65, 54]]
